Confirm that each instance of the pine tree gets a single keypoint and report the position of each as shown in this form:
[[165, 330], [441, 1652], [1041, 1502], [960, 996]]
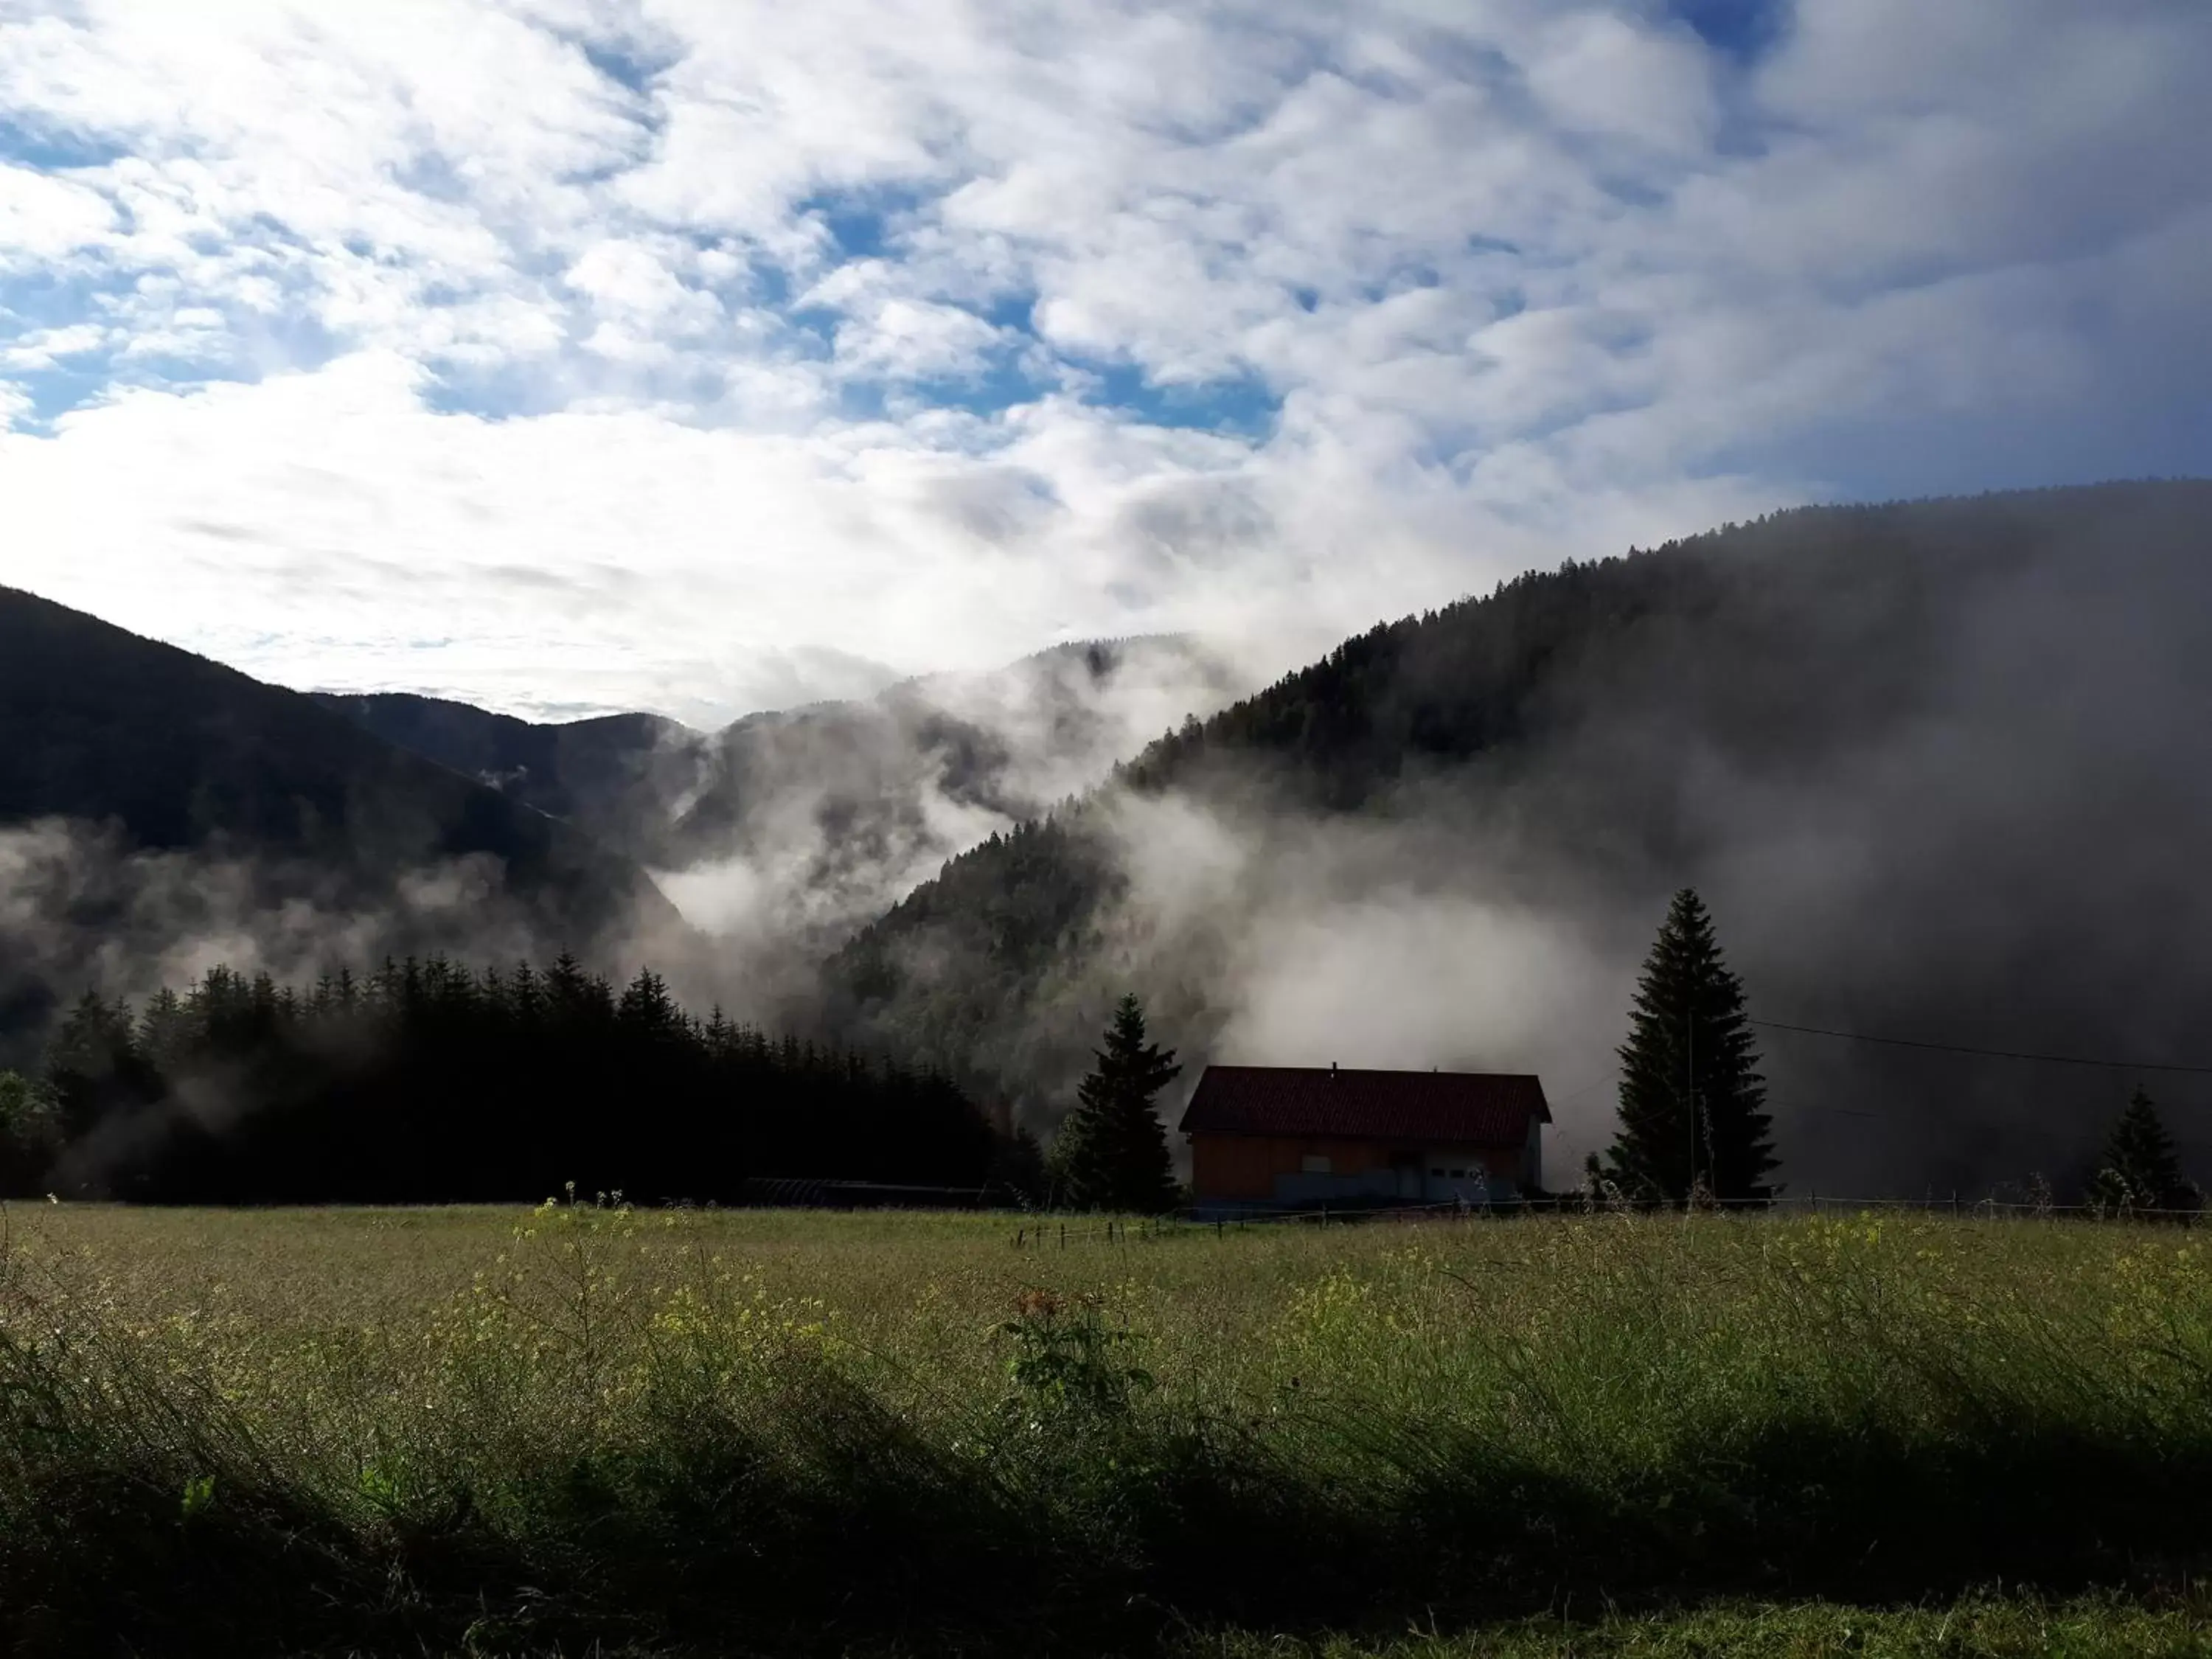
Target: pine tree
[[525, 996], [30, 1133], [2140, 1170], [1112, 1151], [646, 1007], [94, 1067], [1691, 1094], [164, 1029]]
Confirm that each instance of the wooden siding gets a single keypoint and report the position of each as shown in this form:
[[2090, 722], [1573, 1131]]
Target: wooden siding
[[1243, 1168]]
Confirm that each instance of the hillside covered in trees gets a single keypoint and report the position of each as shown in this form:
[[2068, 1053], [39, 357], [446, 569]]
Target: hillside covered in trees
[[850, 782], [784, 831], [616, 777], [150, 799], [1938, 765]]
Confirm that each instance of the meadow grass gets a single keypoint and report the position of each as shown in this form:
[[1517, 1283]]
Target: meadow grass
[[490, 1431]]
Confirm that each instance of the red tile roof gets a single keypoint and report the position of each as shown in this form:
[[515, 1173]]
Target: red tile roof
[[1474, 1108]]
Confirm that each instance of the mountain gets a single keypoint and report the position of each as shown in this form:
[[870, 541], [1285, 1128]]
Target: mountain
[[784, 832], [616, 777], [1941, 768], [155, 807]]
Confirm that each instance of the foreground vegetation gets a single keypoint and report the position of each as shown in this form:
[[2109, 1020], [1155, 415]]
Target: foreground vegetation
[[491, 1431]]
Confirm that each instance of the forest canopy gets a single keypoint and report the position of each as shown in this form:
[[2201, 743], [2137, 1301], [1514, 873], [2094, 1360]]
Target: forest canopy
[[426, 1081]]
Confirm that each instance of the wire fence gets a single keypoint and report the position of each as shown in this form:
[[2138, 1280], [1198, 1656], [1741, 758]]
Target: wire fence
[[1035, 1230], [1050, 1232], [796, 1193]]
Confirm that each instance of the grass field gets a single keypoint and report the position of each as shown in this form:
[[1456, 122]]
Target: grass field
[[585, 1429]]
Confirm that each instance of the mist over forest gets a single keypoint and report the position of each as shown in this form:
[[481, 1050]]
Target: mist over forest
[[1940, 768], [161, 815]]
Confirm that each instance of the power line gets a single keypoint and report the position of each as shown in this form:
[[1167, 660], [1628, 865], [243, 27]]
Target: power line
[[1991, 1054], [1573, 1095]]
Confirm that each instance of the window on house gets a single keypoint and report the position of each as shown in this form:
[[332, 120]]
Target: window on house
[[1315, 1164]]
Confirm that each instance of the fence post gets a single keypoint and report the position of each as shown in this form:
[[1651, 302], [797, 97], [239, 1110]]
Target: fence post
[[1063, 1235]]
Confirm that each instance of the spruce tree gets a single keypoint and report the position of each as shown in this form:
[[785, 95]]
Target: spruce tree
[[1691, 1095], [645, 1009], [94, 1066], [30, 1133], [1111, 1152], [2139, 1170]]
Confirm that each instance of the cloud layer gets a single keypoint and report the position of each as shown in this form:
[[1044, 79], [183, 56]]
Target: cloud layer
[[706, 357]]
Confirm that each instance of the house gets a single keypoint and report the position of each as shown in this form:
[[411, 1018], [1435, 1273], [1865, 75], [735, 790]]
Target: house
[[1287, 1136]]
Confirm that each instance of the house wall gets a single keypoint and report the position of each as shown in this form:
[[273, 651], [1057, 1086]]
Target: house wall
[[1269, 1170]]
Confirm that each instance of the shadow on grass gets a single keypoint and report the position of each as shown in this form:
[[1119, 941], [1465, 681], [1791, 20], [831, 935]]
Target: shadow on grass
[[840, 1530]]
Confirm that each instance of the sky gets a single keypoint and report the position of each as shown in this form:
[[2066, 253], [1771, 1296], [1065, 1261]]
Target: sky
[[706, 357]]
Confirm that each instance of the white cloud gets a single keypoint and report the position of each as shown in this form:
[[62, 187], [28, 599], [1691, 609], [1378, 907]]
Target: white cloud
[[44, 348], [43, 218], [595, 351], [914, 340], [1609, 75]]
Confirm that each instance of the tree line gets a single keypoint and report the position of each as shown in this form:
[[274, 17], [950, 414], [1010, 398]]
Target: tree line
[[426, 1081]]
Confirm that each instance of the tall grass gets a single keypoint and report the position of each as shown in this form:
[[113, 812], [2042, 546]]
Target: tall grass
[[472, 1431]]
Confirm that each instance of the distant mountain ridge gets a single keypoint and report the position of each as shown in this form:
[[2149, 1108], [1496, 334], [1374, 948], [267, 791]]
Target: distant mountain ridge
[[786, 830], [604, 774], [670, 795]]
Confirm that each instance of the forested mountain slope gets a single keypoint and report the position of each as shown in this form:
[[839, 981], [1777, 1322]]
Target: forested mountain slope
[[870, 771], [152, 802], [785, 831], [1942, 766], [613, 776]]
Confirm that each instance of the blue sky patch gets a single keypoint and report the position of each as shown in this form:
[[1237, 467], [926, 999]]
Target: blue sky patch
[[1242, 405], [633, 69], [1740, 29], [863, 224], [54, 148]]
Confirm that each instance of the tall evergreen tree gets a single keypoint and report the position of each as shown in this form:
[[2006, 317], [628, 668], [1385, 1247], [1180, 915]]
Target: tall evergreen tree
[[94, 1066], [30, 1131], [645, 1009], [1112, 1151], [2140, 1170], [1691, 1095]]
